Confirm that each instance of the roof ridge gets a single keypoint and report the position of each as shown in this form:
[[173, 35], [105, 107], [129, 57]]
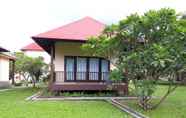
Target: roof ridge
[[94, 20], [72, 22]]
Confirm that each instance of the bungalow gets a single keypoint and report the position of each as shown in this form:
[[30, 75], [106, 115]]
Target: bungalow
[[5, 74], [34, 50], [71, 68]]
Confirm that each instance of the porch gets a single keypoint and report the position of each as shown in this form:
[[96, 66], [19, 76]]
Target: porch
[[95, 81], [121, 88], [79, 71]]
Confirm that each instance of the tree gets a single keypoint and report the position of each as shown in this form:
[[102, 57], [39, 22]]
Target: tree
[[146, 49], [28, 67], [36, 69], [21, 65]]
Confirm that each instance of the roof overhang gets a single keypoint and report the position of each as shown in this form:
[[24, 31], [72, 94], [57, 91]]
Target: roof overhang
[[3, 50], [7, 56], [47, 43], [31, 50]]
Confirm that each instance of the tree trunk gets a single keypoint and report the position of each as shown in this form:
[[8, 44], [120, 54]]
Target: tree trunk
[[125, 74], [34, 82], [26, 79], [26, 83], [143, 102], [13, 72], [170, 90]]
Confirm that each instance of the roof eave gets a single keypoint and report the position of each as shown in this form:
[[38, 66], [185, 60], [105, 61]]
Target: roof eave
[[3, 50], [57, 39], [46, 43], [8, 56]]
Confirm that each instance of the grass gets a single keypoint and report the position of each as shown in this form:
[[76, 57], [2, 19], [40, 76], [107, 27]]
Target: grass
[[13, 105], [173, 107]]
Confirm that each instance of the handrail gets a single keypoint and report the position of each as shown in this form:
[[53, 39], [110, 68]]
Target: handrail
[[81, 76]]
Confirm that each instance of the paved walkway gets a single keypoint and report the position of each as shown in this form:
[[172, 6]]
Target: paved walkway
[[127, 109], [1, 90], [112, 100], [37, 98]]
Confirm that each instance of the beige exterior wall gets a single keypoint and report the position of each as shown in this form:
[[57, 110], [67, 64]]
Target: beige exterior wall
[[4, 69], [66, 49], [63, 49]]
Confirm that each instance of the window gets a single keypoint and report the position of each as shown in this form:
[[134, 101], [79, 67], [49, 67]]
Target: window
[[86, 68], [93, 69], [81, 68], [104, 69], [70, 68]]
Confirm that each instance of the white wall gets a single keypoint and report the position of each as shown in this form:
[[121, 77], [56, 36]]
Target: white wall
[[4, 69], [43, 54]]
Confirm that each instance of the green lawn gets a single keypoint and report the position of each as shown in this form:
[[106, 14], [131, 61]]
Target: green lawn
[[13, 105], [173, 107]]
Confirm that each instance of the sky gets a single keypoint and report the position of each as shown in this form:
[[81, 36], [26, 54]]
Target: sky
[[21, 19]]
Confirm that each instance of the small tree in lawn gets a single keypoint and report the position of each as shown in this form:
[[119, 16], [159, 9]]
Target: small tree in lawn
[[36, 68], [29, 67], [146, 49], [21, 65]]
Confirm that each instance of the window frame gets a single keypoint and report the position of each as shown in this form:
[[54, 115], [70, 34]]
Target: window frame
[[87, 68]]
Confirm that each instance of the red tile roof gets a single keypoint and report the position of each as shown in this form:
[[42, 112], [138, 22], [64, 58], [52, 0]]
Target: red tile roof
[[78, 30], [32, 47]]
